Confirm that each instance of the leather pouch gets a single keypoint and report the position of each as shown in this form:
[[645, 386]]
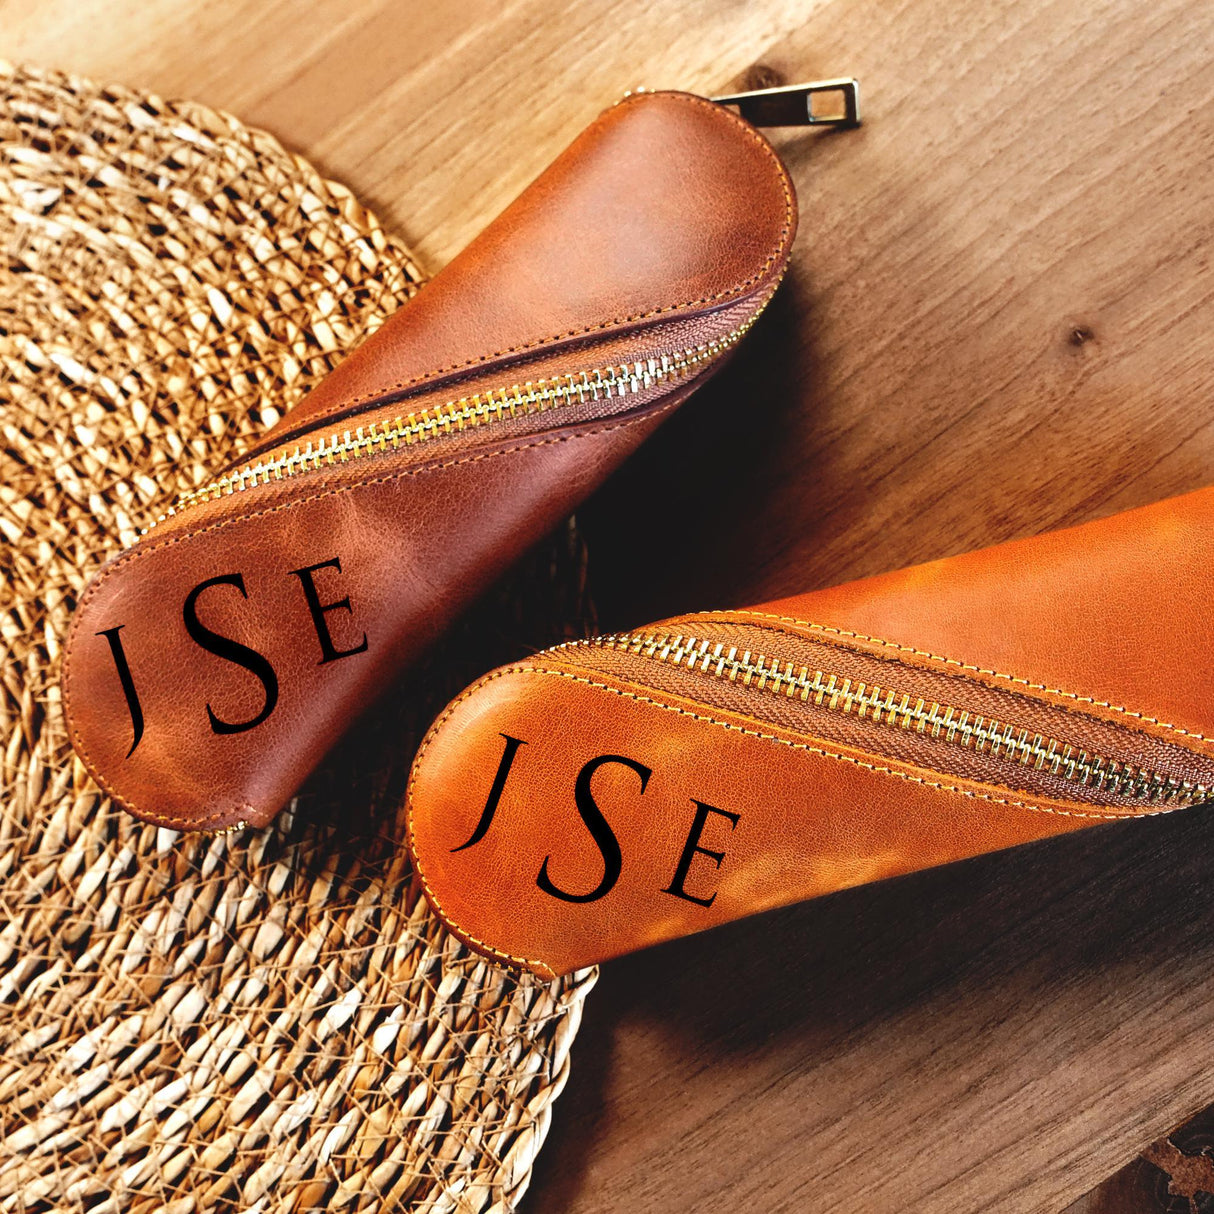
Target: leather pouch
[[606, 795], [211, 665]]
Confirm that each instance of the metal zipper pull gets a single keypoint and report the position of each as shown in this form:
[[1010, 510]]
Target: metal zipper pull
[[794, 105]]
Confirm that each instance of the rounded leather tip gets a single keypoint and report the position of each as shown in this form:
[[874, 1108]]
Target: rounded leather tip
[[140, 699], [466, 858]]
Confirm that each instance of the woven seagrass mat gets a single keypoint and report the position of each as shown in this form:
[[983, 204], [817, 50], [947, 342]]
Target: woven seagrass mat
[[266, 1021]]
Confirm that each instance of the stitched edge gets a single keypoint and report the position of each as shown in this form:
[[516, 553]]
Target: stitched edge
[[755, 620], [732, 292], [998, 674], [623, 693], [139, 552], [410, 844]]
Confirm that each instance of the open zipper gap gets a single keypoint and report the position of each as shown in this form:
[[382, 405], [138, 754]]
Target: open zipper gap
[[529, 398]]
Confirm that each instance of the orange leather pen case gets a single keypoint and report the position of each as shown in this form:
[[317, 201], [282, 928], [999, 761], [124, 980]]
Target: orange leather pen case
[[211, 665], [609, 794]]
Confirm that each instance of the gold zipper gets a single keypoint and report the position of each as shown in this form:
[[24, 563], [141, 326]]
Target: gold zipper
[[903, 710], [466, 413]]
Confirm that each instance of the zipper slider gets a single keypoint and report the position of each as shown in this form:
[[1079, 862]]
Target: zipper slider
[[794, 105]]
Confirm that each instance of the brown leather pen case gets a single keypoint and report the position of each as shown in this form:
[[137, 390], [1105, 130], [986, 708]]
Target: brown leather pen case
[[607, 795], [211, 665]]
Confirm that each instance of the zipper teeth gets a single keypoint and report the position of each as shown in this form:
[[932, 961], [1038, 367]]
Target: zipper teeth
[[466, 413], [903, 710]]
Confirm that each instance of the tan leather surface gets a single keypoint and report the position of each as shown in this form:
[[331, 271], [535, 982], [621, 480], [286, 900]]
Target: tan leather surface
[[1086, 613], [1136, 632], [255, 628]]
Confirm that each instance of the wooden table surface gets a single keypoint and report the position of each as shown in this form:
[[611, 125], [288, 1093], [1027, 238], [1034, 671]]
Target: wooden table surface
[[998, 321]]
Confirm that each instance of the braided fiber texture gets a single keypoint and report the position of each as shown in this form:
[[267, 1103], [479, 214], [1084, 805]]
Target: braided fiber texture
[[263, 1021]]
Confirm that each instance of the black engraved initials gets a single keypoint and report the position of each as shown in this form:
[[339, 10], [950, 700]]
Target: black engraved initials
[[128, 683], [232, 651], [328, 650], [692, 848], [495, 793], [604, 837], [241, 655], [600, 831]]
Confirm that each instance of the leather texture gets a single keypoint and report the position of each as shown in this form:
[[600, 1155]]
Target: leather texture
[[602, 797], [212, 665]]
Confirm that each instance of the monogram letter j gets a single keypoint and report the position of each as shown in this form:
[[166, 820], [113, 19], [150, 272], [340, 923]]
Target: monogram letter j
[[128, 683], [495, 793]]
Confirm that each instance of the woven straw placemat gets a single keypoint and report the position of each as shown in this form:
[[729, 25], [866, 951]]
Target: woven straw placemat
[[267, 1021]]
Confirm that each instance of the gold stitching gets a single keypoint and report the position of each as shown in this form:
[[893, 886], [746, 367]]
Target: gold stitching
[[737, 291], [998, 674], [1140, 729], [830, 754], [140, 551], [822, 752], [418, 867]]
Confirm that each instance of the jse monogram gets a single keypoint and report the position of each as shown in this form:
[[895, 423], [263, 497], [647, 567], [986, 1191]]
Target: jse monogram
[[236, 652], [600, 829]]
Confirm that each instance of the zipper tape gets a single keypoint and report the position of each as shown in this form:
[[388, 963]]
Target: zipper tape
[[897, 709]]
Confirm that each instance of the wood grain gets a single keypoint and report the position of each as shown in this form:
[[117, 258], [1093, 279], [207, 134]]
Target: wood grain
[[998, 321], [1172, 1176]]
